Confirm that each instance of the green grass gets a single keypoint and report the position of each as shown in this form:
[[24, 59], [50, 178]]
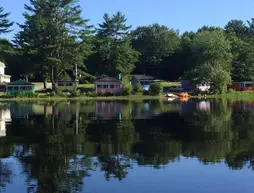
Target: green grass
[[167, 84], [86, 86], [236, 95]]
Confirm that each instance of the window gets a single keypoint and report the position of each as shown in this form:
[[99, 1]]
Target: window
[[10, 87], [112, 86], [105, 86], [16, 88], [248, 85], [28, 88], [99, 86], [118, 86], [70, 84]]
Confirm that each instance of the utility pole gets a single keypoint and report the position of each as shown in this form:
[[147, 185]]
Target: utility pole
[[76, 74]]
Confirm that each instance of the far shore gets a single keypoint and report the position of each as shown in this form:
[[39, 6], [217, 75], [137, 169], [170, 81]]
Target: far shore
[[236, 96]]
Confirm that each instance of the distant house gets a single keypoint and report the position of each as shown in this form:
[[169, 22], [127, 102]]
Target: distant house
[[66, 85], [144, 80], [189, 87], [3, 77], [243, 85], [108, 84], [19, 87]]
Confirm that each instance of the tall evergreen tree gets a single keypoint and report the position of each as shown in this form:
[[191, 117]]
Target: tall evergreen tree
[[54, 36], [5, 23], [6, 47], [114, 53]]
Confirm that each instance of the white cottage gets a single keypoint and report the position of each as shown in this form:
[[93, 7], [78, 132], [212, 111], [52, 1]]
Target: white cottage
[[3, 77]]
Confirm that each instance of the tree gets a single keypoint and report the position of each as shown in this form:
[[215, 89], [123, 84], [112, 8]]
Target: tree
[[240, 37], [6, 47], [114, 53], [54, 36], [237, 28], [5, 23], [154, 42], [212, 59]]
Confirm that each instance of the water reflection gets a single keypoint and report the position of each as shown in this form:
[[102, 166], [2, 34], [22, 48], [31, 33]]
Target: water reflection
[[60, 145]]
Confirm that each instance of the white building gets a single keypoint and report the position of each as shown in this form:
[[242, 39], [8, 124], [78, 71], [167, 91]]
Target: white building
[[3, 77]]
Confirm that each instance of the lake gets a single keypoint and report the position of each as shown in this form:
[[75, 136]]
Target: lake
[[126, 146]]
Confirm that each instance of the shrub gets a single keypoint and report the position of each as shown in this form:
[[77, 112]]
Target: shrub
[[75, 93], [155, 88], [138, 89], [26, 95], [91, 94], [127, 89]]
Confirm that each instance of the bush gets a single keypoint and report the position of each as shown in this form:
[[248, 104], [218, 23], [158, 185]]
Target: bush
[[91, 94], [75, 93], [138, 89], [155, 88], [127, 89], [26, 95]]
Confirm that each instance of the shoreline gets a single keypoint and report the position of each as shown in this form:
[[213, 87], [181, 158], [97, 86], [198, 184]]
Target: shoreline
[[247, 95], [82, 98]]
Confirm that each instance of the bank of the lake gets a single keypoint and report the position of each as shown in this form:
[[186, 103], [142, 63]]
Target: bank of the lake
[[80, 98], [236, 95]]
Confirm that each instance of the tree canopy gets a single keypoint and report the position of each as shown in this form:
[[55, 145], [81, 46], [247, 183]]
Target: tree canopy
[[55, 38]]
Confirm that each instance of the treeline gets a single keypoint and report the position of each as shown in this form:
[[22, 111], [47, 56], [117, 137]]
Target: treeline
[[54, 39]]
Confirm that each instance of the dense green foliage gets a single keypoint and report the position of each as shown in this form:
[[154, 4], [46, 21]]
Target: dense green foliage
[[54, 39], [155, 88]]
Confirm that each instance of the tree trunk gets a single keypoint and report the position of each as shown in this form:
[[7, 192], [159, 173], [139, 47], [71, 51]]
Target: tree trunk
[[45, 84], [53, 79]]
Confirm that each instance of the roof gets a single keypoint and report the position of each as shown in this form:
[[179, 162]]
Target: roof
[[143, 77], [108, 79], [2, 64], [20, 82]]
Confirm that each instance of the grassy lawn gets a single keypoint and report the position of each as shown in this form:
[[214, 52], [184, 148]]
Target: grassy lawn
[[90, 86], [167, 84]]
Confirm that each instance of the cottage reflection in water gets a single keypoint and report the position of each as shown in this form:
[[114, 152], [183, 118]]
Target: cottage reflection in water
[[5, 116]]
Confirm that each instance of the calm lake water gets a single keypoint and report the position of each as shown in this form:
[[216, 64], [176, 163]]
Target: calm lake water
[[123, 147]]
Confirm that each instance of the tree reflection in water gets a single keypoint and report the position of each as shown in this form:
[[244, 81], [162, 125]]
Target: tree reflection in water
[[63, 143]]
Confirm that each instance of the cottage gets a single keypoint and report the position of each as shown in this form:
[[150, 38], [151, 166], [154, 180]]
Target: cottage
[[66, 85], [3, 77], [189, 87], [19, 87], [244, 85], [108, 84], [144, 80]]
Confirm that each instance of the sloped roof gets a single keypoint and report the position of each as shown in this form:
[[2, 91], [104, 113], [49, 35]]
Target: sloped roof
[[2, 64], [108, 79], [20, 82], [143, 77]]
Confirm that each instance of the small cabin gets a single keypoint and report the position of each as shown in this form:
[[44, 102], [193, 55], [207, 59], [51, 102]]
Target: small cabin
[[244, 85], [189, 86], [144, 80], [19, 87], [66, 85], [108, 84]]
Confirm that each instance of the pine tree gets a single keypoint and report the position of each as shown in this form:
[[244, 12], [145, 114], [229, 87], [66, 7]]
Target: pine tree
[[55, 37], [5, 24], [113, 46], [6, 47]]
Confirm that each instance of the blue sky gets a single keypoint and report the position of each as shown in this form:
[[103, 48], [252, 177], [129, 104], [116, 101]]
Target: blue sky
[[178, 14]]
